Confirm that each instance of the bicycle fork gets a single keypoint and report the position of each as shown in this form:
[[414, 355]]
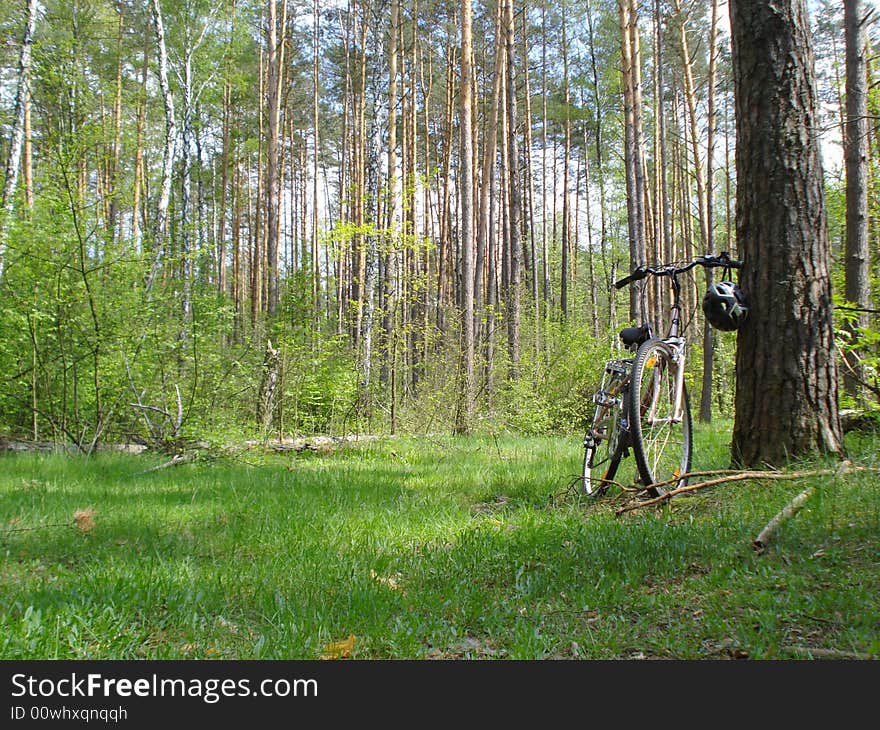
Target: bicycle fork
[[676, 361]]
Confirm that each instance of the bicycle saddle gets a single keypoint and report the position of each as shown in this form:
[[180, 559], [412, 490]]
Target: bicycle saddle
[[635, 335]]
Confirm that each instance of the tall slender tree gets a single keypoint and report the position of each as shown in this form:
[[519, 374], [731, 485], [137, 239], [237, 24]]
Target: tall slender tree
[[466, 193], [857, 286], [13, 162]]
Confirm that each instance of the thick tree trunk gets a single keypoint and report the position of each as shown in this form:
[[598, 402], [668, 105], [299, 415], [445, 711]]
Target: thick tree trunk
[[786, 395]]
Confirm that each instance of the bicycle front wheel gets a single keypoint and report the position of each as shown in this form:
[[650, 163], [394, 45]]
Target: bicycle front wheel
[[660, 421], [600, 466]]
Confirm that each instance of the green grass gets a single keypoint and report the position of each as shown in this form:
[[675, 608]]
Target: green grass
[[421, 548]]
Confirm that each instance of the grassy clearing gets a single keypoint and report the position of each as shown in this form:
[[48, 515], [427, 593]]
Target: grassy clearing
[[425, 548]]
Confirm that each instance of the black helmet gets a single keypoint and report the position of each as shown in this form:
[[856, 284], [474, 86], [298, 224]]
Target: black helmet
[[725, 306]]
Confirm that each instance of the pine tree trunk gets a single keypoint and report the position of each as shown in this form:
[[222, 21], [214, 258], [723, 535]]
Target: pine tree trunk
[[514, 198], [275, 61], [857, 287], [465, 408], [635, 195], [708, 333], [786, 395]]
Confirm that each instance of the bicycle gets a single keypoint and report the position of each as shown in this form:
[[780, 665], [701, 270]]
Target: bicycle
[[642, 403]]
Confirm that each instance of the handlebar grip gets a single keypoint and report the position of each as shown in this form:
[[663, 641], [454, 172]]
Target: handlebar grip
[[637, 275], [723, 260]]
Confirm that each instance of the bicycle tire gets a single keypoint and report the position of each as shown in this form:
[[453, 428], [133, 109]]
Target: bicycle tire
[[662, 446], [596, 477]]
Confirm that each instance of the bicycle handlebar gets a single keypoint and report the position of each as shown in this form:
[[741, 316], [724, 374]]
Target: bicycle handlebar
[[710, 262]]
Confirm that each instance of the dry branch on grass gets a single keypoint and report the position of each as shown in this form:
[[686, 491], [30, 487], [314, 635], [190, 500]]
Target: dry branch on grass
[[175, 460], [737, 476], [789, 511], [83, 520], [809, 652]]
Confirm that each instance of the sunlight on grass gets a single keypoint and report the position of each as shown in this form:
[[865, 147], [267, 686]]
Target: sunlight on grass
[[441, 548]]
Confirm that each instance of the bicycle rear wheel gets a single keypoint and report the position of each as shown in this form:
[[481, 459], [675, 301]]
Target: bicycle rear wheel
[[662, 439]]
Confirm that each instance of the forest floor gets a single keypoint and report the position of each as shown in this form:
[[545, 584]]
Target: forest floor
[[407, 548]]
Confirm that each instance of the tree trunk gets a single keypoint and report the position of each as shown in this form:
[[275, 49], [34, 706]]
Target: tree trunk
[[160, 224], [465, 408], [786, 395], [708, 333], [13, 162], [566, 274], [635, 197], [274, 61], [490, 149], [268, 387], [857, 289], [514, 198]]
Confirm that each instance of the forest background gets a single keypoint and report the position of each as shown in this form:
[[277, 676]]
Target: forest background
[[256, 219]]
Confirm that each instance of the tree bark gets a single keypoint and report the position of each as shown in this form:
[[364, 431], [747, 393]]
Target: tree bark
[[514, 198], [13, 162], [160, 224], [466, 191], [786, 395], [274, 62], [708, 332], [635, 181], [857, 287]]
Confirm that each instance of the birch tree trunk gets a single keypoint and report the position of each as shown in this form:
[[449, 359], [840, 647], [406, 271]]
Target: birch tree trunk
[[160, 224], [13, 162]]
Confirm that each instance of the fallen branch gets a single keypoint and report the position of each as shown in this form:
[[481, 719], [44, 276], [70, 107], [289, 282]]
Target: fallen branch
[[9, 530], [789, 511], [735, 477], [83, 520], [810, 652], [176, 459]]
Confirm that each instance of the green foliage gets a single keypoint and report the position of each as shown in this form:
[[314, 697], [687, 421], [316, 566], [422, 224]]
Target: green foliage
[[554, 393]]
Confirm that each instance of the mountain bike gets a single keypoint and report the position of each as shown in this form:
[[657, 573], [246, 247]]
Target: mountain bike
[[642, 404]]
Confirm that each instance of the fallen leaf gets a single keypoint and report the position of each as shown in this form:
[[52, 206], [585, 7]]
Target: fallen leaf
[[339, 649], [84, 519], [392, 581]]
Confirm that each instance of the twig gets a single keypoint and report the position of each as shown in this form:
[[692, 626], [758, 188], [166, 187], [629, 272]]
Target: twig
[[813, 653], [789, 511], [6, 531], [734, 477], [175, 460]]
